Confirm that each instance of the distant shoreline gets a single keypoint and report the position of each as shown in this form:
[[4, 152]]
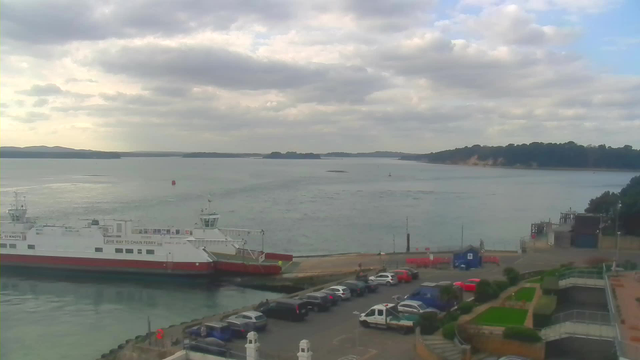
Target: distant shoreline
[[532, 168]]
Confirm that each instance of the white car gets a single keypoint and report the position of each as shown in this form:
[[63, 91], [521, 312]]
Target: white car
[[385, 279], [341, 291], [257, 318], [415, 307]]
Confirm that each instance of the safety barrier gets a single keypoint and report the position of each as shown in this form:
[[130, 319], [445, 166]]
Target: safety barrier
[[427, 262]]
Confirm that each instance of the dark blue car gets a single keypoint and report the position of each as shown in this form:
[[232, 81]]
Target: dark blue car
[[429, 294], [216, 330]]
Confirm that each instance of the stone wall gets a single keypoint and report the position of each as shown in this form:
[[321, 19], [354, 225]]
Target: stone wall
[[626, 242], [496, 345]]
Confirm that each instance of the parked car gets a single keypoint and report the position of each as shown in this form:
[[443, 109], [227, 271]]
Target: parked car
[[386, 316], [285, 309], [357, 288], [415, 307], [428, 293], [240, 328], [316, 301], [210, 346], [385, 279], [335, 298], [370, 286], [342, 291], [469, 285], [414, 273], [217, 330], [258, 319], [403, 275]]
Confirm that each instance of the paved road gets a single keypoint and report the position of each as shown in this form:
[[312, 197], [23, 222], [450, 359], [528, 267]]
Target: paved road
[[337, 334]]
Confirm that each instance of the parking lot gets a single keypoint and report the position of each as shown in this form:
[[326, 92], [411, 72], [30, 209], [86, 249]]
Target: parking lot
[[337, 335]]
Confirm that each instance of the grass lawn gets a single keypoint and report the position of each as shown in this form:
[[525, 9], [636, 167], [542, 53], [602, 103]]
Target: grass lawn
[[524, 294], [501, 316], [537, 280]]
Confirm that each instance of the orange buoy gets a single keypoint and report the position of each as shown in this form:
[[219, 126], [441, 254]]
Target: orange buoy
[[173, 182]]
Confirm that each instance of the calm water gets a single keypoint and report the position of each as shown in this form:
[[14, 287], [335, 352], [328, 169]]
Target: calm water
[[303, 208]]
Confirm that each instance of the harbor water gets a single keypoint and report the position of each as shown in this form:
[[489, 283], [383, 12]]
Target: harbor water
[[302, 207]]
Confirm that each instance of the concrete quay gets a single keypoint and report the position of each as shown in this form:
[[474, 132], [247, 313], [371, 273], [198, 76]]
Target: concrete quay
[[336, 334]]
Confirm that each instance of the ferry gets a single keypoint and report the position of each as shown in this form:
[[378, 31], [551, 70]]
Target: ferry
[[120, 246]]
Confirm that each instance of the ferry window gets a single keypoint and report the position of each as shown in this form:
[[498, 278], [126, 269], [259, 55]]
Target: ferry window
[[206, 222], [139, 251], [119, 251], [150, 252], [98, 249], [3, 246], [31, 247], [128, 251], [12, 246], [119, 227], [177, 231]]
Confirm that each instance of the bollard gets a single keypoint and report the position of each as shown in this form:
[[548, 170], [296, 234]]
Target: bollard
[[252, 346], [305, 350]]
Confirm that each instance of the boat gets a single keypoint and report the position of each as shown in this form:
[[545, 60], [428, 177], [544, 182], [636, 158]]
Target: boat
[[121, 246]]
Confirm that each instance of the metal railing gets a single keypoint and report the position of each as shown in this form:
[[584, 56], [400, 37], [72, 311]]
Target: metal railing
[[578, 329], [625, 349], [581, 274], [582, 316]]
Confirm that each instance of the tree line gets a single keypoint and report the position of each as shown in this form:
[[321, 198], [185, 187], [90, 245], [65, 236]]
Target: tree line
[[537, 154], [623, 206]]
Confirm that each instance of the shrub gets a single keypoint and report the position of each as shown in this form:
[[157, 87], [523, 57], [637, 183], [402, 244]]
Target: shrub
[[549, 285], [485, 291], [512, 275], [449, 331], [451, 316], [465, 307], [521, 333], [500, 285], [629, 265], [543, 310], [428, 323]]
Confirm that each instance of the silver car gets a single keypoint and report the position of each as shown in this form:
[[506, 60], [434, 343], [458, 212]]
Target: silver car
[[341, 291], [257, 318], [385, 279], [415, 307]]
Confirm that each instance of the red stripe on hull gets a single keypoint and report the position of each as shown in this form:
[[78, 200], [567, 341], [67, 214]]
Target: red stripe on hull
[[250, 269], [115, 265]]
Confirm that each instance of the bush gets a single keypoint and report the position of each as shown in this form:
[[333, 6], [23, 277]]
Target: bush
[[451, 316], [549, 285], [466, 307], [629, 265], [428, 323], [485, 291], [545, 306], [521, 333], [512, 275], [500, 285], [449, 331]]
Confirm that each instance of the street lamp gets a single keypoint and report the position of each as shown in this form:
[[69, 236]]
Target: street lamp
[[617, 232]]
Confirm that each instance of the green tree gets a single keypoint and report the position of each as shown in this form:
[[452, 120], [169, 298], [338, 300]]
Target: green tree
[[449, 295], [605, 204], [630, 206], [512, 275]]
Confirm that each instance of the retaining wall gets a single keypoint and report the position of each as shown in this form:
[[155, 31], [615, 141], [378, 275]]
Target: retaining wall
[[626, 242], [496, 345]]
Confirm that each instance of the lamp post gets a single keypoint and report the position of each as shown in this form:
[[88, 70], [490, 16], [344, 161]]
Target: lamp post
[[617, 233]]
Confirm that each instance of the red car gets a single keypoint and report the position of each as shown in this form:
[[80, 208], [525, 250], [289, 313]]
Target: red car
[[403, 276], [469, 285]]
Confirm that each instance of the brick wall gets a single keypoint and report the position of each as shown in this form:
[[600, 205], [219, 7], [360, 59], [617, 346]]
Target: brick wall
[[626, 242]]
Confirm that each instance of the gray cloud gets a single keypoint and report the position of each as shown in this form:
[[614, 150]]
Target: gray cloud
[[75, 80], [61, 21], [31, 117], [222, 68], [41, 102], [52, 90]]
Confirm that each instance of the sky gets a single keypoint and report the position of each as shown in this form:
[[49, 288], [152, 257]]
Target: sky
[[318, 76]]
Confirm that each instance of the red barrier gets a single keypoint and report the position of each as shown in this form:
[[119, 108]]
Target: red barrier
[[427, 262], [491, 259]]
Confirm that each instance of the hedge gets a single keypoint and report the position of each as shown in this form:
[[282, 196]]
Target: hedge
[[521, 333], [545, 306], [485, 291], [465, 307], [449, 331], [428, 323], [450, 317], [549, 285], [500, 285]]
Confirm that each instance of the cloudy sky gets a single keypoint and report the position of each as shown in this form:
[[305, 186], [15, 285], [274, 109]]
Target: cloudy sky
[[331, 75]]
